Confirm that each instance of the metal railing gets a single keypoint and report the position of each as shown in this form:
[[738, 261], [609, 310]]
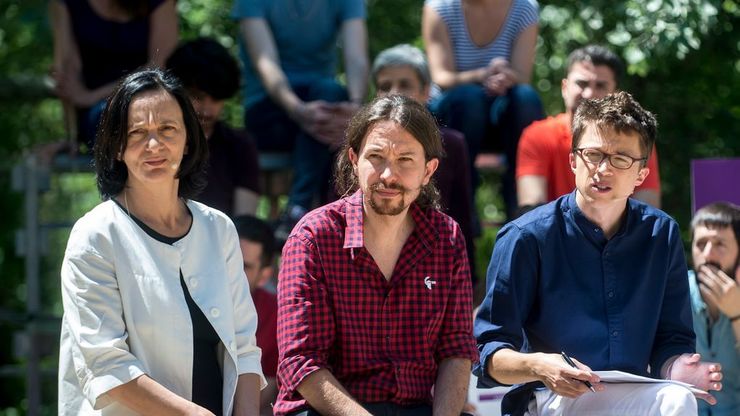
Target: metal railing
[[40, 332]]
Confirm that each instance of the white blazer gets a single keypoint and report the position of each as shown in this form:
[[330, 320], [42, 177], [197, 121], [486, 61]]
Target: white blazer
[[125, 312]]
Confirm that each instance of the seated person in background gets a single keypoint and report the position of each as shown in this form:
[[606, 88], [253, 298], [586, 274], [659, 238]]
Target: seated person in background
[[715, 298], [598, 275], [374, 293], [96, 43], [543, 173], [292, 100], [403, 70], [211, 76], [481, 55], [258, 249]]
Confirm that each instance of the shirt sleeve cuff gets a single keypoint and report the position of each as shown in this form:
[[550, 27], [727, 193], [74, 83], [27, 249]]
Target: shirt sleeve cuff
[[662, 356], [96, 388], [250, 364], [479, 369], [297, 370]]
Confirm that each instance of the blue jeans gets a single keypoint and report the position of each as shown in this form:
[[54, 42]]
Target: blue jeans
[[482, 118], [88, 120], [274, 131]]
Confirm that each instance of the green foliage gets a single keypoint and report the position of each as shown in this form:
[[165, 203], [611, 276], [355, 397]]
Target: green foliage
[[392, 22]]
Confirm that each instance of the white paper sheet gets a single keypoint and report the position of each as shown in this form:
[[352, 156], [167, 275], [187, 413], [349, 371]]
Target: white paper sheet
[[614, 376]]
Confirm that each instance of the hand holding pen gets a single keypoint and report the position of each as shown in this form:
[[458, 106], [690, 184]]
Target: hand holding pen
[[570, 362]]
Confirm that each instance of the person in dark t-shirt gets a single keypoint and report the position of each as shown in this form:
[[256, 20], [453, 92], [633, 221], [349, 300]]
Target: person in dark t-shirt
[[211, 76]]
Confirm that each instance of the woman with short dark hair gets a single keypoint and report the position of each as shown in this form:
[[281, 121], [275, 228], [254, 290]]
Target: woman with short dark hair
[[157, 313]]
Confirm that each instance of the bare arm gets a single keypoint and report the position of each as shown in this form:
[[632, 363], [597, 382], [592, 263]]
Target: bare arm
[[451, 386], [247, 396], [146, 396], [163, 33], [531, 190], [314, 117], [354, 47], [511, 367], [67, 70], [522, 54], [263, 54], [67, 64], [66, 55], [327, 396], [268, 396], [66, 60], [440, 54]]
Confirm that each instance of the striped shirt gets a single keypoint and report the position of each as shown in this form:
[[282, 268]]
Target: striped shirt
[[468, 55]]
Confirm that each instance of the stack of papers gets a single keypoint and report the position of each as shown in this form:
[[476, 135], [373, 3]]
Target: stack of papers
[[614, 376]]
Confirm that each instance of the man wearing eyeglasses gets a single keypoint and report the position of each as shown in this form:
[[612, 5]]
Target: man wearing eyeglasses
[[542, 172], [597, 275]]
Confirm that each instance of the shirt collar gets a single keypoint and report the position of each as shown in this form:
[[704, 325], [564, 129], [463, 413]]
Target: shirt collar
[[585, 224], [697, 303], [353, 235]]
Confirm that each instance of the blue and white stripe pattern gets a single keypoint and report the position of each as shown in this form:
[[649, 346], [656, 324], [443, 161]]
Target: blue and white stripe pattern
[[468, 55]]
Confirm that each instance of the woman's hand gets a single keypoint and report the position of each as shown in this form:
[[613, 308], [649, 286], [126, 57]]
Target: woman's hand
[[500, 77]]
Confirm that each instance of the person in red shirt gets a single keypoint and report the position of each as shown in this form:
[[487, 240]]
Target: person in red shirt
[[543, 172], [258, 248], [374, 292]]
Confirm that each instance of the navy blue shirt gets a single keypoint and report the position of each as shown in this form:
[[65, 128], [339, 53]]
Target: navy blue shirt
[[556, 283]]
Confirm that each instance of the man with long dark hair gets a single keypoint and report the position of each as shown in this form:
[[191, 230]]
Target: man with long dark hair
[[374, 293]]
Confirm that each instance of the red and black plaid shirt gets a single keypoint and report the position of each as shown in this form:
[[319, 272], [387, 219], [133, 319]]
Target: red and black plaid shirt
[[383, 340]]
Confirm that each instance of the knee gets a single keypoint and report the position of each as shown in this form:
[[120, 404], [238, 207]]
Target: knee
[[465, 94], [524, 96], [675, 400], [464, 103]]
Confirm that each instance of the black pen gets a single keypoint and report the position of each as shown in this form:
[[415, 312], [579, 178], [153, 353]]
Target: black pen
[[572, 364]]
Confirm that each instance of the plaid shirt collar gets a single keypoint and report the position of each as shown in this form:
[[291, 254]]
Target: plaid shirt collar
[[353, 236]]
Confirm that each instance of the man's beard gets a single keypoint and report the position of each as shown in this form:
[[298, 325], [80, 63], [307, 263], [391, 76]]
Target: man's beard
[[386, 207], [729, 272]]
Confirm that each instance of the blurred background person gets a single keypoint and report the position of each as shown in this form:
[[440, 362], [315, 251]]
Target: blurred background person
[[292, 100], [157, 313], [211, 76], [715, 298], [96, 43], [258, 250], [542, 171], [481, 54]]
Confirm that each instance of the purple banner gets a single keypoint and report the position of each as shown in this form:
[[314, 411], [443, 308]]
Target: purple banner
[[714, 180]]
